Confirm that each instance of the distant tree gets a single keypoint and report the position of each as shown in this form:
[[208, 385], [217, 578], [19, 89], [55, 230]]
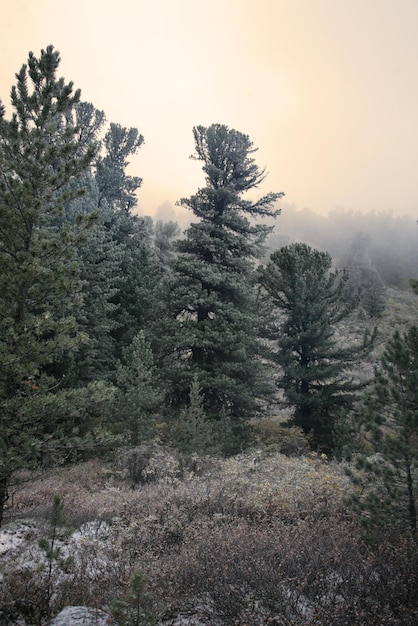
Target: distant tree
[[116, 187], [165, 234], [214, 330], [313, 365], [391, 249], [364, 283], [40, 154], [387, 418]]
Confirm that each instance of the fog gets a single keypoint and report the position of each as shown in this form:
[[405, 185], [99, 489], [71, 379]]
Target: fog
[[326, 89], [389, 242]]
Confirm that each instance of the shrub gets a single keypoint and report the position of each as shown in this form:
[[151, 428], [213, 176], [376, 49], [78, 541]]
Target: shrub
[[306, 574], [274, 434], [148, 463], [253, 539]]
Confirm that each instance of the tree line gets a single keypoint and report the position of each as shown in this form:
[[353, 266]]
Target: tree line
[[116, 330]]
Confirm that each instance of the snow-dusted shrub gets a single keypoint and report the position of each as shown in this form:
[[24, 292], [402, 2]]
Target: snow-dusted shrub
[[148, 463]]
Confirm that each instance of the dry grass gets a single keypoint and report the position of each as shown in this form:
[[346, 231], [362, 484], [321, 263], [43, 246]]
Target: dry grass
[[256, 539]]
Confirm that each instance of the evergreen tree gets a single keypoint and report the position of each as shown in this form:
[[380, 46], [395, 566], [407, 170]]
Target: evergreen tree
[[135, 300], [135, 608], [387, 419], [138, 299], [115, 186], [165, 233], [364, 284], [308, 302], [119, 268], [100, 260], [413, 282], [211, 295], [196, 431], [40, 153], [97, 268], [139, 390]]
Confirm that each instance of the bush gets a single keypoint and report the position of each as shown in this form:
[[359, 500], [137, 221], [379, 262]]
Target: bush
[[253, 539], [311, 573], [148, 463], [274, 434]]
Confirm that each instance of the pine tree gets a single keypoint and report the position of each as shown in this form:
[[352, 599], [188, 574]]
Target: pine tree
[[119, 269], [364, 284], [139, 391], [211, 296], [55, 561], [40, 154], [135, 608], [165, 233], [135, 300], [138, 299], [100, 260], [196, 431], [387, 419], [116, 187], [313, 365]]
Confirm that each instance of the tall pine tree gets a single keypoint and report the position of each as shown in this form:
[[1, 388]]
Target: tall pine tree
[[40, 153], [118, 266], [212, 301]]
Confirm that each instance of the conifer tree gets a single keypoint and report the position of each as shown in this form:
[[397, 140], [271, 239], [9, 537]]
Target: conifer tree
[[139, 272], [100, 260], [140, 396], [215, 329], [387, 420], [165, 233], [364, 283], [314, 367], [138, 298], [119, 268], [40, 153], [116, 187], [196, 431]]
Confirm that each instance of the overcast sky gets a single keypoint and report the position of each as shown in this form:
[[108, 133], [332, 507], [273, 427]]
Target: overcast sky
[[326, 89]]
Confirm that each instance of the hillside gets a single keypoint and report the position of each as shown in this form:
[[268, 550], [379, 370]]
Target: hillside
[[260, 538]]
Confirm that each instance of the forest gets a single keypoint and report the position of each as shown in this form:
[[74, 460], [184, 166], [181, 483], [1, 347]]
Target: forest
[[230, 410]]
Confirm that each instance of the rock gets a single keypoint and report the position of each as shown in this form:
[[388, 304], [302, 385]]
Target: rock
[[16, 535], [82, 616]]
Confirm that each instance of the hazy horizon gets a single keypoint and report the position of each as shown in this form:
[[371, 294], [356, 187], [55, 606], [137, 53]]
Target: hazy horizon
[[326, 89]]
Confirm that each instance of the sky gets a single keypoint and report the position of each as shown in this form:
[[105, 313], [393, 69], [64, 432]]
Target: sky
[[327, 90]]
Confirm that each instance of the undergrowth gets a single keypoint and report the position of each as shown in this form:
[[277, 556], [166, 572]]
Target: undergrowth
[[260, 538]]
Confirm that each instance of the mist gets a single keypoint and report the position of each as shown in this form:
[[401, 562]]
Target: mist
[[390, 242]]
